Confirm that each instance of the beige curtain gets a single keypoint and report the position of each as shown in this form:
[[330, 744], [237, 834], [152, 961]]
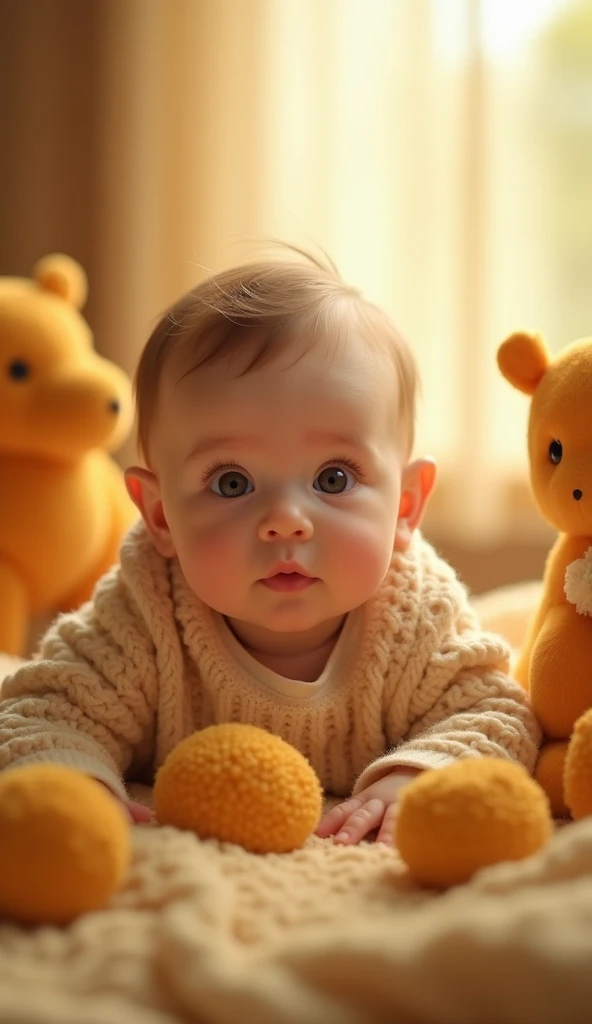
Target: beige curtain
[[155, 138]]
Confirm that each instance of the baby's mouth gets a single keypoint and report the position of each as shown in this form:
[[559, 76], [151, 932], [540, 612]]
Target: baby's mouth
[[288, 582]]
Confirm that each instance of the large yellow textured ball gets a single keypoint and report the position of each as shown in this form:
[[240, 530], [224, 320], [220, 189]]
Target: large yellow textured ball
[[64, 844], [239, 784], [578, 768], [454, 820]]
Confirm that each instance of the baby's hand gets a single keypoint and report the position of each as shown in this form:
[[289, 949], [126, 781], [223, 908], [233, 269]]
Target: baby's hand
[[137, 813], [372, 808]]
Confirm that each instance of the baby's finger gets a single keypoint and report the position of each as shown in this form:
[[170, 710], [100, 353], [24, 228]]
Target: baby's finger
[[138, 813], [331, 822], [386, 832], [362, 821]]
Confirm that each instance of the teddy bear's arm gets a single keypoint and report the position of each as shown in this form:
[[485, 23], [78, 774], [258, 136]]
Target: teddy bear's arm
[[14, 608], [560, 681], [522, 667], [123, 514], [565, 551]]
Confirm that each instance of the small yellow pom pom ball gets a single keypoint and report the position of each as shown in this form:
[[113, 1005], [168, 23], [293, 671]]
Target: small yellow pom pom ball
[[578, 768], [64, 844], [453, 821], [239, 784]]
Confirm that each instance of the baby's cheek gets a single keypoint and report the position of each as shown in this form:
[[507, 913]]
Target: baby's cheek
[[211, 561], [368, 539], [364, 551]]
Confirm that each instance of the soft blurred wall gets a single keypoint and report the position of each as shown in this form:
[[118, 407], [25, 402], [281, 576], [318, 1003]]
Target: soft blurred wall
[[48, 117], [437, 149]]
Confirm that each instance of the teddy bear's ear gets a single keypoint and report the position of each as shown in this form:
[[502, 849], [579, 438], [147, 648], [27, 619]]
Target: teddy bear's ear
[[63, 276], [523, 360]]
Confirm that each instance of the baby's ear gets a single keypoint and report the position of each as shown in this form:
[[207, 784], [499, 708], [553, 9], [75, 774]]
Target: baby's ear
[[523, 360], [417, 484], [144, 490]]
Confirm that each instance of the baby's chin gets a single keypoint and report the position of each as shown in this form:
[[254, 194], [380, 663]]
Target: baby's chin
[[304, 628], [284, 623]]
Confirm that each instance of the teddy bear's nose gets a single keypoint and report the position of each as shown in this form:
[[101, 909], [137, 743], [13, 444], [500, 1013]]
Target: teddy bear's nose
[[114, 406], [577, 494]]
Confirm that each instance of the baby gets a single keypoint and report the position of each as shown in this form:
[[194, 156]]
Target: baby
[[277, 575]]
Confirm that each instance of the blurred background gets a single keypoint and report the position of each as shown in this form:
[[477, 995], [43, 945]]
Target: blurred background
[[439, 150]]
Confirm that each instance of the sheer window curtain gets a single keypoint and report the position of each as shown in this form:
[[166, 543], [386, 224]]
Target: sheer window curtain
[[399, 136]]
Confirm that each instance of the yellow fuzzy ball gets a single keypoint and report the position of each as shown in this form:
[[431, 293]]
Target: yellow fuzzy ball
[[64, 846], [242, 785], [453, 821], [578, 768]]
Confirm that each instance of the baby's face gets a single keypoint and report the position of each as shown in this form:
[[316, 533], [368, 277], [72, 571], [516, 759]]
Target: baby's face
[[281, 488]]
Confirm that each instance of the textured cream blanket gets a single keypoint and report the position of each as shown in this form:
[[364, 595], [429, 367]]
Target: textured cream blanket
[[209, 934]]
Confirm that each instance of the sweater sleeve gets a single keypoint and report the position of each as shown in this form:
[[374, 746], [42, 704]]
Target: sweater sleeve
[[455, 698], [88, 700]]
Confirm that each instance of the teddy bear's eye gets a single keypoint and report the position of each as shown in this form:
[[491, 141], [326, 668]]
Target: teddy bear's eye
[[19, 370], [555, 452]]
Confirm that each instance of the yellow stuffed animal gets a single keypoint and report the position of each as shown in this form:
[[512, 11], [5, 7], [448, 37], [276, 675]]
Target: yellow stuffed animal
[[556, 662], [63, 502]]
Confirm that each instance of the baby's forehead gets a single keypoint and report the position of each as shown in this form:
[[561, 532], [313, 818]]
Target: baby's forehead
[[329, 364], [311, 390]]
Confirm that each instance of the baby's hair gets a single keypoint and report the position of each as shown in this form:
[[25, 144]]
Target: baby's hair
[[258, 308]]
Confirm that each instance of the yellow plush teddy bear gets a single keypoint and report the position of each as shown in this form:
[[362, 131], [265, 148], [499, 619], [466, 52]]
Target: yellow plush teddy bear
[[556, 662], [63, 502]]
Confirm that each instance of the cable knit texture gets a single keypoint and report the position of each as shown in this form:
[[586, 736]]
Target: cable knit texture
[[412, 681], [325, 935]]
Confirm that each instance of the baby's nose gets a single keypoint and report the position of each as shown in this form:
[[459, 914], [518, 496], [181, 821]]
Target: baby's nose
[[286, 524], [577, 494], [286, 530]]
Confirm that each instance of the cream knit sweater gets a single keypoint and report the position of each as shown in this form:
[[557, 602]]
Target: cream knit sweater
[[411, 681]]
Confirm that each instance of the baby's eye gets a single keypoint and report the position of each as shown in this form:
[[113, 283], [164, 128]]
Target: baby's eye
[[18, 370], [231, 484], [555, 452], [334, 480]]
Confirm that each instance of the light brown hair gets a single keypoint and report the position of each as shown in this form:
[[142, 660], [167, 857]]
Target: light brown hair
[[258, 308]]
